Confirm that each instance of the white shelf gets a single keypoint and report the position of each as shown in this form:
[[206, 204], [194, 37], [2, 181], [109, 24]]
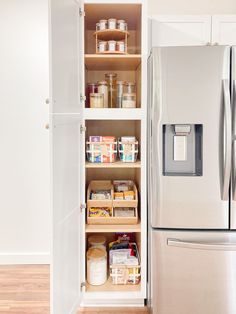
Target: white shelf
[[113, 114], [117, 164]]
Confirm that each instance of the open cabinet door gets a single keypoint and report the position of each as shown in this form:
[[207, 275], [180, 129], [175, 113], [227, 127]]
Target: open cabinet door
[[66, 266], [66, 53]]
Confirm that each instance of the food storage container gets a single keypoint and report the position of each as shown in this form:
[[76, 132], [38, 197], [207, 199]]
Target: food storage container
[[97, 26], [91, 88], [120, 46], [103, 89], [102, 46], [97, 241], [103, 24], [130, 87], [111, 81], [112, 45], [119, 93], [128, 149], [96, 266], [104, 150], [112, 24], [129, 100], [121, 25], [96, 100]]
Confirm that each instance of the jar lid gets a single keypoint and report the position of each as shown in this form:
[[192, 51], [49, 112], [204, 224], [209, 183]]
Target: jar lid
[[111, 42], [129, 94], [120, 42], [120, 82], [91, 83], [96, 239], [112, 20], [130, 83], [110, 74], [102, 82], [96, 253], [102, 42], [120, 21], [102, 21], [96, 94]]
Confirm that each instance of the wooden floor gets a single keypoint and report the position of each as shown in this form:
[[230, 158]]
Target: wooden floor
[[24, 289]]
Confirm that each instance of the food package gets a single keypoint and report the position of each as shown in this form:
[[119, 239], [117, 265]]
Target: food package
[[100, 212]]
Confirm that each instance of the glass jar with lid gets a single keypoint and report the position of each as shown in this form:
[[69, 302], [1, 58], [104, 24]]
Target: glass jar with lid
[[96, 100], [112, 24], [102, 25], [121, 25], [91, 88], [130, 87], [103, 89], [111, 81], [97, 240], [96, 266], [120, 85], [129, 100]]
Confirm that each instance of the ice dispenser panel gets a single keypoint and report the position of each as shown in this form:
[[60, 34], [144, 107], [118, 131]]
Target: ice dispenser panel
[[182, 149]]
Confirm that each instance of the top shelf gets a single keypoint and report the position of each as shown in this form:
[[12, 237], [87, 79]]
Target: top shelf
[[112, 62], [111, 34]]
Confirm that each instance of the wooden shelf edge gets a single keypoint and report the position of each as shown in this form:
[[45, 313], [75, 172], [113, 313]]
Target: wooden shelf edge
[[107, 55], [109, 287], [117, 164], [113, 228]]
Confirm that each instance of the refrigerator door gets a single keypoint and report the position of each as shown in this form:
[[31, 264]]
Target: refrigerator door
[[190, 142], [193, 272], [233, 107]]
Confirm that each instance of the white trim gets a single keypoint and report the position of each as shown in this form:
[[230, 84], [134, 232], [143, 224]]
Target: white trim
[[7, 258], [113, 303], [217, 22]]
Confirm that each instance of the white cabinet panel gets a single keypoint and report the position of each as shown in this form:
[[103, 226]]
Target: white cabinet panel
[[224, 29], [177, 30], [65, 136], [65, 50]]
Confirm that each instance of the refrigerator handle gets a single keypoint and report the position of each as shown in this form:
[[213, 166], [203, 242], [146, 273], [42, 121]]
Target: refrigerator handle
[[234, 140], [202, 245], [228, 140]]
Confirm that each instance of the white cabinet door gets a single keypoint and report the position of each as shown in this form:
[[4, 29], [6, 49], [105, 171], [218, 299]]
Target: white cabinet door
[[66, 266], [66, 50], [224, 29], [180, 30]]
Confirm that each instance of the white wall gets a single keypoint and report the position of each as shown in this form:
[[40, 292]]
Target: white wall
[[191, 6], [24, 145]]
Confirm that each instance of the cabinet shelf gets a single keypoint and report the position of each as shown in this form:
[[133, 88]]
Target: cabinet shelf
[[108, 286], [113, 113], [113, 228], [117, 164], [111, 34], [112, 62]]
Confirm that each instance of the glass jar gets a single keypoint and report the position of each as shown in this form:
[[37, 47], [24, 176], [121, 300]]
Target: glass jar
[[97, 241], [96, 100], [91, 88], [121, 25], [112, 45], [96, 266], [111, 81], [129, 100], [120, 46], [119, 93], [97, 26], [103, 89], [102, 46], [112, 24], [130, 87], [103, 24]]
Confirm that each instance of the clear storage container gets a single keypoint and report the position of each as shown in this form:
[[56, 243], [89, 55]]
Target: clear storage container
[[103, 89], [129, 100], [96, 100], [111, 81], [91, 88], [96, 266], [112, 24], [98, 241], [112, 45], [120, 85], [102, 46], [103, 24], [121, 46], [121, 25]]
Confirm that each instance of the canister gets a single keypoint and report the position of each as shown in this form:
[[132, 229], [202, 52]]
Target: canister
[[102, 46], [112, 24], [121, 25], [96, 100], [91, 88], [129, 100], [112, 45], [103, 89], [97, 240], [120, 46], [119, 93], [103, 24], [111, 81], [130, 87], [96, 266]]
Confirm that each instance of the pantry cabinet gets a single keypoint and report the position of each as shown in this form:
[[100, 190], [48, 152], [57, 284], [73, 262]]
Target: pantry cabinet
[[224, 29], [73, 64]]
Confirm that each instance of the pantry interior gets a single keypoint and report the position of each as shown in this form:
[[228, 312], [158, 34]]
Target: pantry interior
[[97, 124]]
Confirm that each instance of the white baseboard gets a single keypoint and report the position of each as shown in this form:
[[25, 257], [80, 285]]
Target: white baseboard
[[25, 258]]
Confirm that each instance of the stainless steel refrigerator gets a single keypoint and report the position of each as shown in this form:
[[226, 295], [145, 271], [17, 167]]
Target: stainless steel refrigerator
[[192, 199]]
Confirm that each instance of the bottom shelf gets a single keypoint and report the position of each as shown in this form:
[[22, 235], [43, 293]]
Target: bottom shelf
[[108, 286]]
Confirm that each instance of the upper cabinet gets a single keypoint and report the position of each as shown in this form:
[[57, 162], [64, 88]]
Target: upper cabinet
[[224, 29], [66, 51], [180, 30]]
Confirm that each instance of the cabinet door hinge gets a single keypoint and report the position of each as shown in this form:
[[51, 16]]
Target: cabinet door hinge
[[82, 128], [82, 207], [81, 12], [82, 98], [82, 286]]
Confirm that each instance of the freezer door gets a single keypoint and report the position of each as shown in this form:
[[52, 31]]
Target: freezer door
[[190, 120], [193, 272], [233, 107]]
